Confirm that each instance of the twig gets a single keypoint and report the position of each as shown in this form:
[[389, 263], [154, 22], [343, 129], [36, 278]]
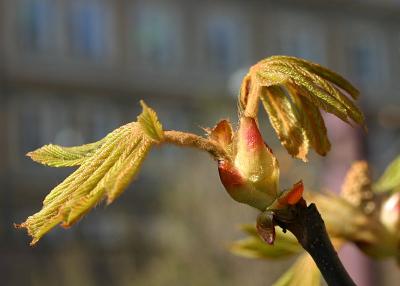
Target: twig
[[309, 228]]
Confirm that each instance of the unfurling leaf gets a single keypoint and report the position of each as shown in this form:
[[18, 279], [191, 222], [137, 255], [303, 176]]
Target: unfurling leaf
[[313, 124], [303, 272], [150, 124], [59, 156], [284, 119], [103, 175], [285, 245], [390, 180], [325, 73], [298, 121]]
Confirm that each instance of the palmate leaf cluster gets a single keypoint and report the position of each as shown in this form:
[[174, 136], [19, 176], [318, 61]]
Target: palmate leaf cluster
[[292, 91], [105, 169]]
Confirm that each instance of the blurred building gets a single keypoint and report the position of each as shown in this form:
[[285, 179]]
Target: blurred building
[[71, 71]]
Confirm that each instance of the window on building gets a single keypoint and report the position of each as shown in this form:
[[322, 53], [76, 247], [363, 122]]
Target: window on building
[[362, 64], [89, 23], [223, 42], [367, 55], [34, 120], [24, 128], [104, 119], [366, 63], [303, 45], [37, 24], [157, 34], [29, 131], [302, 36]]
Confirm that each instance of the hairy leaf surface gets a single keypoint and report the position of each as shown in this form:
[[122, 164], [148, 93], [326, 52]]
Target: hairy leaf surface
[[150, 124], [286, 122], [311, 87], [313, 124], [60, 156], [103, 175]]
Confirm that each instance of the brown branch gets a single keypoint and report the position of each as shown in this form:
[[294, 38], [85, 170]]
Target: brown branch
[[309, 228], [196, 141]]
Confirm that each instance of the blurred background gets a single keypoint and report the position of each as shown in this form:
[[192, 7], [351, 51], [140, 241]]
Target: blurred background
[[73, 70]]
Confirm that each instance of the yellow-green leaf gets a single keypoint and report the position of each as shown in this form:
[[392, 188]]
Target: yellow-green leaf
[[390, 180], [351, 109], [303, 272], [106, 168], [315, 93], [150, 124], [284, 119], [311, 87], [60, 156], [324, 72], [127, 168], [314, 81], [103, 175], [313, 124], [254, 247]]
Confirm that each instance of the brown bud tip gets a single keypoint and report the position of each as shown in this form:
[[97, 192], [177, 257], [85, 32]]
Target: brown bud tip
[[265, 227]]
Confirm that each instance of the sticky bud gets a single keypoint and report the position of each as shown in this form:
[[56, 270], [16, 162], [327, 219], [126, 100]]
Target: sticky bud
[[265, 227], [251, 177]]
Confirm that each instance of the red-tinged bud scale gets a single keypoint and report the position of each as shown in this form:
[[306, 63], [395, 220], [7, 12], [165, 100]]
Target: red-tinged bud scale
[[251, 177], [292, 196], [230, 177]]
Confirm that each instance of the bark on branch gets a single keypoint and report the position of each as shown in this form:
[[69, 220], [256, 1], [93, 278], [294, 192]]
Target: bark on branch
[[309, 228]]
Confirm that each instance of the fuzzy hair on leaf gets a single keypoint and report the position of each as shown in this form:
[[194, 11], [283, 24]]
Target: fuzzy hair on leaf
[[59, 156], [106, 168], [292, 91]]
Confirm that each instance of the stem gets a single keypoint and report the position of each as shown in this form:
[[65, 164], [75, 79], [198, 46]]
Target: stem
[[253, 98], [309, 228], [193, 140]]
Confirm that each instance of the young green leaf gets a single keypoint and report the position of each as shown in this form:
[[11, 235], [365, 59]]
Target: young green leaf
[[303, 272], [311, 87], [103, 175], [60, 156], [325, 73], [150, 124], [253, 246], [390, 180], [286, 122], [313, 124]]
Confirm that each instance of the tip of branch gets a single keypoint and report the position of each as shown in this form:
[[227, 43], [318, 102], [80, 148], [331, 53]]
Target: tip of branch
[[265, 227]]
